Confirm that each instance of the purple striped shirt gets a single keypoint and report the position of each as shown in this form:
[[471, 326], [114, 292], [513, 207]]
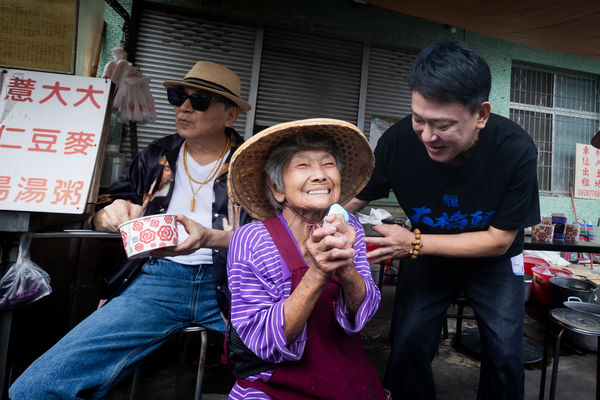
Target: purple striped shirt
[[259, 285]]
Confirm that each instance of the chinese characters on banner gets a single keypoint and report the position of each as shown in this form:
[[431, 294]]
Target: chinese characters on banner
[[587, 172], [50, 130]]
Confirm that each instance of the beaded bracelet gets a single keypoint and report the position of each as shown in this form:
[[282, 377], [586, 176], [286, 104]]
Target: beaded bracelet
[[416, 245]]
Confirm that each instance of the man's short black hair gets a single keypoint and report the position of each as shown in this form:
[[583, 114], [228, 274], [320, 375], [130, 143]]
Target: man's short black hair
[[451, 71]]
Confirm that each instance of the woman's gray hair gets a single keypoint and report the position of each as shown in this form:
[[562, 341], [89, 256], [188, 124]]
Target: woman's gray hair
[[281, 154]]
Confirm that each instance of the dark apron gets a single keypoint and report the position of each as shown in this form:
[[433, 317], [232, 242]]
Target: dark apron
[[334, 364]]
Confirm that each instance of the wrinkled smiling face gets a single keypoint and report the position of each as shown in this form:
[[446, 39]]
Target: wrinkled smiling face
[[447, 129], [311, 181]]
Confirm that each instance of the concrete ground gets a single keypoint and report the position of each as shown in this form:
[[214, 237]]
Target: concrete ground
[[456, 373]]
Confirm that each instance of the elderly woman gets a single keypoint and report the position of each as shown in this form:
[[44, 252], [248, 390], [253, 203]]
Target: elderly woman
[[300, 282]]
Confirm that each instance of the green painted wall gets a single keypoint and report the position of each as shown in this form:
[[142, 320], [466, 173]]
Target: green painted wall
[[366, 23]]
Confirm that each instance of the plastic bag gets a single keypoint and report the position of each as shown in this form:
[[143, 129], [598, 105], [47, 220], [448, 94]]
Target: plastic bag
[[24, 282], [133, 100], [375, 217]]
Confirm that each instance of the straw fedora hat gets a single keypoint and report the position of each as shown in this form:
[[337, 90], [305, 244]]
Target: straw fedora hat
[[247, 179], [214, 78]]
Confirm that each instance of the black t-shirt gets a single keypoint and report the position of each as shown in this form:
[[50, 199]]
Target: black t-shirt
[[497, 184]]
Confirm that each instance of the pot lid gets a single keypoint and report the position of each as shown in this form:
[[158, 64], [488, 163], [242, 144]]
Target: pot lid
[[576, 321], [582, 306]]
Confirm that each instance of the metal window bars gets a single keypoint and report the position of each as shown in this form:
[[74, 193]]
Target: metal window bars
[[558, 109]]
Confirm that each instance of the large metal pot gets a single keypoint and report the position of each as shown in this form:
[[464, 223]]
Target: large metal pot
[[541, 282], [561, 288], [587, 342]]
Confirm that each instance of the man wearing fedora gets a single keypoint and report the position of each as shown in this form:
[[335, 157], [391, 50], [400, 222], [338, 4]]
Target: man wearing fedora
[[151, 298]]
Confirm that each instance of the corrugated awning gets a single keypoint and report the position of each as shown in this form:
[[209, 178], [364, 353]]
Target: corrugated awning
[[571, 27]]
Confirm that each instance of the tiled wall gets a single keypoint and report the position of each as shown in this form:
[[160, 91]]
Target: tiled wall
[[113, 33], [587, 211]]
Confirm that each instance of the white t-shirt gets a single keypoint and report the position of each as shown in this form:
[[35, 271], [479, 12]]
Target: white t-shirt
[[180, 204]]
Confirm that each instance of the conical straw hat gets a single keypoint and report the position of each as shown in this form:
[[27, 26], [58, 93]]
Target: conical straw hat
[[247, 179]]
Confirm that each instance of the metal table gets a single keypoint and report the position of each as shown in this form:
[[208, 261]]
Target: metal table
[[577, 246], [77, 234]]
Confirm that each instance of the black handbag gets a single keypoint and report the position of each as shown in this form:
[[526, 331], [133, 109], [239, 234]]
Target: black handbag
[[241, 359]]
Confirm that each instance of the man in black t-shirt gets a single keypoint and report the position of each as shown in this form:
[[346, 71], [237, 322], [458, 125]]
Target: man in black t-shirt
[[467, 180]]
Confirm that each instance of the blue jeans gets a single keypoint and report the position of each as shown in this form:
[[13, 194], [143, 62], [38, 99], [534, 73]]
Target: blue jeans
[[163, 298], [423, 294]]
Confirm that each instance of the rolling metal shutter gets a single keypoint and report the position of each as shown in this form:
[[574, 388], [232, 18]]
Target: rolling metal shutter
[[168, 45], [307, 76], [388, 95], [301, 75]]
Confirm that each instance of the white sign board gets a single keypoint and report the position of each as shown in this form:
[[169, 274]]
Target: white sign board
[[50, 131], [587, 172]]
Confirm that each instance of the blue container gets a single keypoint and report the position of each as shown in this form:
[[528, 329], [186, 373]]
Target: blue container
[[559, 221], [559, 218]]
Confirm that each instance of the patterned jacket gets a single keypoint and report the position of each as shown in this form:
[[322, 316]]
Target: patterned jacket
[[151, 176]]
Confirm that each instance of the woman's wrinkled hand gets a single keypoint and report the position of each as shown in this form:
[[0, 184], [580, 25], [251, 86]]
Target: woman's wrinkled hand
[[331, 247], [198, 236], [110, 217]]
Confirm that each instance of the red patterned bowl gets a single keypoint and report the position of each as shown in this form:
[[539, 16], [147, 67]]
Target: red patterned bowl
[[145, 234], [542, 232]]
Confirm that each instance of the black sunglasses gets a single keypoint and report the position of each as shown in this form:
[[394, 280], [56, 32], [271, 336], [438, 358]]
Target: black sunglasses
[[199, 101]]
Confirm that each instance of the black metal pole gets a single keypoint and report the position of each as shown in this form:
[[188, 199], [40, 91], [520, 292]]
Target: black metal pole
[[555, 364], [544, 361], [126, 42]]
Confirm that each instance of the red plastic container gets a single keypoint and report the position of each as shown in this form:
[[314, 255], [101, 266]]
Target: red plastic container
[[371, 247], [541, 282], [530, 262]]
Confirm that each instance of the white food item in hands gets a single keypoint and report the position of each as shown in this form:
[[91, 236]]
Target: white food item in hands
[[337, 209]]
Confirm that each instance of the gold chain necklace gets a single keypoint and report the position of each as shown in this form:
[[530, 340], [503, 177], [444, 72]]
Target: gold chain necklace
[[210, 175]]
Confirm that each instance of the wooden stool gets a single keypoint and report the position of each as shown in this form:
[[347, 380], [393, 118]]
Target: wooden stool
[[575, 321], [201, 361]]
